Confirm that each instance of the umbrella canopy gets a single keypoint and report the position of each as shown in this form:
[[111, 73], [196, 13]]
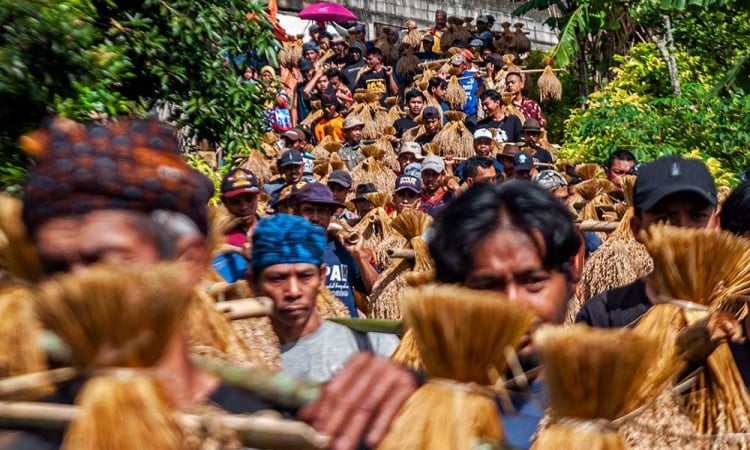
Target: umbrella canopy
[[327, 12]]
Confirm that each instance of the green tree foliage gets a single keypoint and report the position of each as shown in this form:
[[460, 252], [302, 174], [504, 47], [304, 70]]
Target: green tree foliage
[[97, 59], [637, 112]]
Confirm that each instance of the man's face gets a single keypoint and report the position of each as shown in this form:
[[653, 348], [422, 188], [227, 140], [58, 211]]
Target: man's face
[[329, 111], [508, 261], [298, 144], [69, 244], [431, 180], [562, 193], [488, 175], [513, 84], [322, 83], [311, 55], [440, 21], [404, 159], [363, 207], [242, 206], [681, 209], [339, 48], [355, 56], [292, 173], [530, 137], [293, 288], [432, 126], [339, 192], [373, 60], [483, 147], [415, 106], [619, 169], [324, 43], [438, 92], [353, 135], [490, 106], [406, 199], [316, 213]]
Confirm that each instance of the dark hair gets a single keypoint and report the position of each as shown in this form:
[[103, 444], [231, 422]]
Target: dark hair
[[735, 212], [491, 93], [325, 34], [413, 93], [436, 82], [485, 208], [333, 72], [375, 52], [474, 163], [623, 155]]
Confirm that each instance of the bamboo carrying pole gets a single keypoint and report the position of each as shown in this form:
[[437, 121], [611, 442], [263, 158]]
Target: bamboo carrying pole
[[259, 431], [246, 308]]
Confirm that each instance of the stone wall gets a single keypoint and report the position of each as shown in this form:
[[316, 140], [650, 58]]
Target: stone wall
[[395, 12]]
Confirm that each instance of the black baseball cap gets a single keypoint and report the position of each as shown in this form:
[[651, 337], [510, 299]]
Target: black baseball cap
[[340, 177], [291, 157], [669, 175], [239, 181]]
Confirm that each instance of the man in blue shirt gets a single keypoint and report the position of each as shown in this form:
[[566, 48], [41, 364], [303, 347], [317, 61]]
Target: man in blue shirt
[[349, 266], [470, 81]]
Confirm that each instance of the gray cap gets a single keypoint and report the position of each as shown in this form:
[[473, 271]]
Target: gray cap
[[434, 163]]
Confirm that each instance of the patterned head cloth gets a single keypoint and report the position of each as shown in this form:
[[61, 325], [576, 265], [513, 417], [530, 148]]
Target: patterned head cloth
[[133, 165], [286, 239]]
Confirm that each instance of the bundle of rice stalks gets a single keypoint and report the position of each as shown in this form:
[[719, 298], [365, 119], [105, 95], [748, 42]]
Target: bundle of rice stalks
[[522, 42], [462, 336], [394, 111], [510, 64], [375, 228], [210, 333], [118, 317], [20, 340], [588, 171], [407, 352], [336, 162], [270, 137], [322, 168], [325, 147], [413, 37], [407, 65], [410, 224], [372, 169], [17, 254], [594, 193], [423, 81], [550, 88], [291, 55], [592, 375], [383, 42], [455, 96], [316, 112], [710, 268], [259, 164], [455, 138], [390, 158]]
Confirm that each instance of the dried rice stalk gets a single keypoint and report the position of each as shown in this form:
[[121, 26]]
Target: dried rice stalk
[[455, 96], [336, 162], [523, 43], [259, 164], [407, 65], [712, 268], [17, 254], [372, 169], [314, 115], [588, 171], [462, 335], [455, 138], [407, 352], [592, 376], [550, 88], [615, 263], [291, 55], [106, 322], [20, 333], [413, 37], [411, 225]]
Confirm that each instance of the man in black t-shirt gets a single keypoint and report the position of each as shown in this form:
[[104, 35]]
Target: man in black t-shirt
[[379, 79], [669, 189], [507, 127], [414, 102], [530, 133]]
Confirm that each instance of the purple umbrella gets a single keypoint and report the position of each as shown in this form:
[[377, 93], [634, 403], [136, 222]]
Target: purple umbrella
[[327, 12]]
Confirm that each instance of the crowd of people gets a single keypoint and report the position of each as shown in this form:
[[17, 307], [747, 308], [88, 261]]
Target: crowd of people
[[334, 219]]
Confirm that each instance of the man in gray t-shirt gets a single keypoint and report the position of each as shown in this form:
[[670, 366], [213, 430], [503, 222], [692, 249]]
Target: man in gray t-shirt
[[319, 355], [287, 266]]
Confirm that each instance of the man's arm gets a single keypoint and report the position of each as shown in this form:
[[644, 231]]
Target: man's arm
[[392, 85], [362, 257]]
